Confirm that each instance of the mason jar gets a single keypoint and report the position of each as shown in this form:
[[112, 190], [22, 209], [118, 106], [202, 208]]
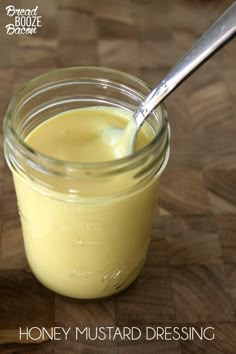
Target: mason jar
[[85, 236]]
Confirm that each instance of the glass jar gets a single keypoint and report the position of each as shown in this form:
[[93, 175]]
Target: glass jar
[[84, 243]]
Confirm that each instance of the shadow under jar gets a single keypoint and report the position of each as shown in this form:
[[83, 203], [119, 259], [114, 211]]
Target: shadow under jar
[[85, 235]]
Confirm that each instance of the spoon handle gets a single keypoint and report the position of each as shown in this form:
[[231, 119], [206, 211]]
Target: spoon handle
[[219, 33]]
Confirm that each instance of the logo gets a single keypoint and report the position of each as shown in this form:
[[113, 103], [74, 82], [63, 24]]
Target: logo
[[26, 21]]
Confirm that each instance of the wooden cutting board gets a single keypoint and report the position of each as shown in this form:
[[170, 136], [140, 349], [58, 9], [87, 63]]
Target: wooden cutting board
[[190, 275]]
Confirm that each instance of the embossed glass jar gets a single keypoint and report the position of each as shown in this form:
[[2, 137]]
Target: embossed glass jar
[[85, 245]]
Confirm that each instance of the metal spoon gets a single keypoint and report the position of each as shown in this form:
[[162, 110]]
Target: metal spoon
[[218, 35]]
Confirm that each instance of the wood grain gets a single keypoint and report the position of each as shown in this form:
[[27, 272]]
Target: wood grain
[[192, 240], [148, 301], [189, 278], [201, 294], [226, 225]]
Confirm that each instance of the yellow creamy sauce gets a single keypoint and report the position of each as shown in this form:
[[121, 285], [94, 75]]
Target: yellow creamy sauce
[[77, 135], [83, 249]]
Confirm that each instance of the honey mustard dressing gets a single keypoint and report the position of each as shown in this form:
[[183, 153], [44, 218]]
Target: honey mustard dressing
[[85, 250], [77, 135]]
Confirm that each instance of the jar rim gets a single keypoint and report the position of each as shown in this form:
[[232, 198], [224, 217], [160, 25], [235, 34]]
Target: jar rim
[[73, 165]]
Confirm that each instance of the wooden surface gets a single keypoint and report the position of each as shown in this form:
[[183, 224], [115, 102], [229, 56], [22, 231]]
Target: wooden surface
[[190, 275]]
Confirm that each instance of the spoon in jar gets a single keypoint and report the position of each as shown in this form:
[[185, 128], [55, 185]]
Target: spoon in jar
[[223, 30]]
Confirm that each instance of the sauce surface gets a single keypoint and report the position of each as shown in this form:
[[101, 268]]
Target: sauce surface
[[78, 135]]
